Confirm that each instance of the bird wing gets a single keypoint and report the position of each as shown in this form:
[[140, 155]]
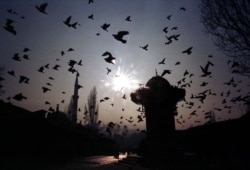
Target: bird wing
[[122, 33], [106, 53], [43, 6]]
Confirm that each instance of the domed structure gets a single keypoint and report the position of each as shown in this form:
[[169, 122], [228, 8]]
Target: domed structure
[[159, 100], [158, 82]]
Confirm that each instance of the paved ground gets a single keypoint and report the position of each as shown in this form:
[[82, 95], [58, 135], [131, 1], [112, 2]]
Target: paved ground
[[190, 161], [101, 163]]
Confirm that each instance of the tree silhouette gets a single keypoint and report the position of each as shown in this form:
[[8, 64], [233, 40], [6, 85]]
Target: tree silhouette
[[229, 22], [92, 108]]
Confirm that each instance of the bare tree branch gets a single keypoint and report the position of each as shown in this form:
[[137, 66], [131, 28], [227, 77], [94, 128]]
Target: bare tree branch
[[229, 24]]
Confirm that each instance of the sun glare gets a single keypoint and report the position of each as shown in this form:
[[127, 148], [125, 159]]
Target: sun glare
[[121, 81]]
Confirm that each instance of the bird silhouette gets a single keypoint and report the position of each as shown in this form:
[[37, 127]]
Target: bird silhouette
[[193, 113], [70, 49], [162, 62], [203, 84], [165, 30], [9, 27], [185, 73], [105, 26], [165, 72], [49, 84], [80, 63], [177, 63], [56, 67], [128, 18], [11, 11], [145, 47], [188, 51], [106, 98], [124, 97], [24, 79], [169, 42], [91, 1], [205, 70], [26, 49], [130, 121], [47, 66], [67, 21], [119, 36], [16, 57], [174, 28], [62, 53], [71, 63], [169, 17], [42, 8], [108, 70], [173, 37], [140, 118], [12, 73], [19, 97], [183, 9], [74, 25], [178, 121], [110, 58], [26, 57], [41, 69], [106, 53], [72, 70], [45, 89], [91, 16]]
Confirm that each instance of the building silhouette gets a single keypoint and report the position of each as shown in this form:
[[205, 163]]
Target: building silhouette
[[211, 116]]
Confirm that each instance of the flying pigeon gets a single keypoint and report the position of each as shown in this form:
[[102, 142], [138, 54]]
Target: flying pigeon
[[42, 8], [19, 97], [188, 51], [110, 58], [119, 36], [105, 26]]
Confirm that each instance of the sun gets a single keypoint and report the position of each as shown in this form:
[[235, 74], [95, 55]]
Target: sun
[[121, 82]]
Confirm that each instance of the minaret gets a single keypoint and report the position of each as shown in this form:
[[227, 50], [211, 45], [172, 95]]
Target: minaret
[[74, 102]]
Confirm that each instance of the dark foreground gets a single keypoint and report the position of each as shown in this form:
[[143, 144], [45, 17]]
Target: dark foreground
[[31, 141], [181, 160]]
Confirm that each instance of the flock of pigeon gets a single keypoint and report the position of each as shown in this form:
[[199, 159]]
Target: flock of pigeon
[[228, 100]]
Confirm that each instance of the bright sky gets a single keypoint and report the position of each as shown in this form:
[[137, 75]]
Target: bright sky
[[46, 36]]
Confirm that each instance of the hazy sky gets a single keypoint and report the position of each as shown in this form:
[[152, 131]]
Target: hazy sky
[[46, 36]]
